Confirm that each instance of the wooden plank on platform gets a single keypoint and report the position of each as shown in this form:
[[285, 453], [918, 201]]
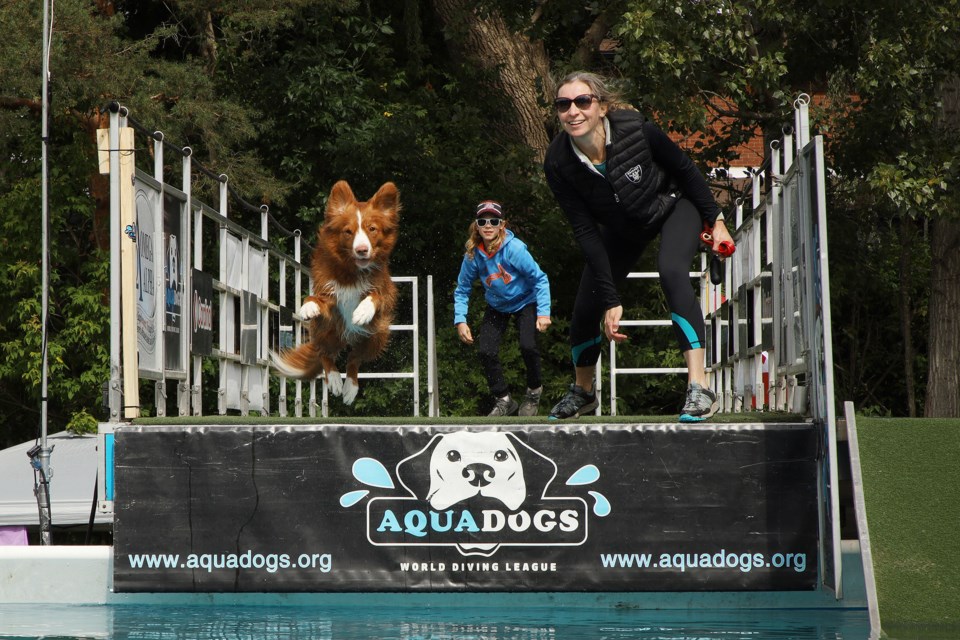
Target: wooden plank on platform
[[128, 266]]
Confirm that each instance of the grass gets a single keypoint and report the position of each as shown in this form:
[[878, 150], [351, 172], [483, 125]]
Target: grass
[[723, 418], [912, 496]]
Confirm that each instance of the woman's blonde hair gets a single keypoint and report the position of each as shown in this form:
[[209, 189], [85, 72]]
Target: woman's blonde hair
[[599, 87], [475, 240]]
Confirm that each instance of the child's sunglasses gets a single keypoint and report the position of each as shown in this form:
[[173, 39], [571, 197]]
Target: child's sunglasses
[[493, 222], [582, 101]]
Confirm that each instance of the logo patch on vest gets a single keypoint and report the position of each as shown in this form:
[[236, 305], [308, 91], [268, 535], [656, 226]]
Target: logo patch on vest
[[634, 174]]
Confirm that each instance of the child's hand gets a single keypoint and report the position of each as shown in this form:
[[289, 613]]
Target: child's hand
[[542, 323], [463, 330]]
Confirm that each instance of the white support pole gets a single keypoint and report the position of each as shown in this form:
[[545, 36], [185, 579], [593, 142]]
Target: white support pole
[[416, 346], [773, 255], [433, 386], [297, 328], [196, 241], [282, 301], [245, 287], [802, 118], [183, 387], [224, 299], [160, 386], [788, 155], [263, 313]]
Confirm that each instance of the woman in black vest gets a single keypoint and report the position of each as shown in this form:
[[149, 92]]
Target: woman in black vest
[[622, 182]]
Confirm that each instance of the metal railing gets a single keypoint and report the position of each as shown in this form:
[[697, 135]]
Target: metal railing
[[169, 313]]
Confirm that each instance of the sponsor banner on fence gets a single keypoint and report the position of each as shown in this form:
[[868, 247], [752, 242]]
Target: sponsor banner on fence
[[202, 311], [144, 233], [174, 279], [452, 508]]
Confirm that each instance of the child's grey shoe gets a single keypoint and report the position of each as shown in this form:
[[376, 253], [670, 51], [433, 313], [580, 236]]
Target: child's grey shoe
[[506, 406], [531, 402]]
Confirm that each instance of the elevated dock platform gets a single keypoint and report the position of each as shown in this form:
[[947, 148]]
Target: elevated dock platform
[[586, 514]]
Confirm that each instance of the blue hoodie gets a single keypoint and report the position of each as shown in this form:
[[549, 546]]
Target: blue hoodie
[[511, 278]]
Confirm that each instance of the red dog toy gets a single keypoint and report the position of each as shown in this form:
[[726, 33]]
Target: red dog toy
[[725, 249]]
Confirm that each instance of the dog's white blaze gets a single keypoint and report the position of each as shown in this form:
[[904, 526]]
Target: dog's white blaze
[[361, 242]]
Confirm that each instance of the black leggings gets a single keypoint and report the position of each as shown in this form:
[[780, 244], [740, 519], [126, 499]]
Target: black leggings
[[492, 328], [679, 242]]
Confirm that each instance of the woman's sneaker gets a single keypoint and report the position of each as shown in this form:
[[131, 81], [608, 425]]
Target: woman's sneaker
[[574, 404], [506, 406], [701, 404], [531, 402]]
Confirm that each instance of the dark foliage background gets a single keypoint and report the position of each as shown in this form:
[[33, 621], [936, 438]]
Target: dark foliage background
[[288, 96]]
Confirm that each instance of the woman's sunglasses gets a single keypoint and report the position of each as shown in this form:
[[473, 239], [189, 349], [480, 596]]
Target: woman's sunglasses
[[493, 222], [582, 101]]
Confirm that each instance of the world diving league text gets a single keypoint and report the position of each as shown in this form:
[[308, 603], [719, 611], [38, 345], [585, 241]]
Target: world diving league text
[[409, 521]]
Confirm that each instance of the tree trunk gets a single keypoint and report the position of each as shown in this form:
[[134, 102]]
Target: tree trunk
[[522, 66], [907, 235], [943, 372]]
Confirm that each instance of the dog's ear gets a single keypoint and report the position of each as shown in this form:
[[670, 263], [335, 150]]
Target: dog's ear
[[538, 470], [387, 199], [341, 197], [414, 472]]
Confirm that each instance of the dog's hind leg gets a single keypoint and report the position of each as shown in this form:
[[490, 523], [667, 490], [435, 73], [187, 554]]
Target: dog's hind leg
[[365, 351], [332, 376], [352, 384]]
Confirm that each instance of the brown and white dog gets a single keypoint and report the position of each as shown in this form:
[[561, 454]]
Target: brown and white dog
[[353, 297]]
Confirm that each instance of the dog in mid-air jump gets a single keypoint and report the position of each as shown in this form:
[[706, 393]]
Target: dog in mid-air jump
[[353, 299]]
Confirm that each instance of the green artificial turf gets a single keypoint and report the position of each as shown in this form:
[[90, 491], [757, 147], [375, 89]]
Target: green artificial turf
[[405, 421], [911, 489]]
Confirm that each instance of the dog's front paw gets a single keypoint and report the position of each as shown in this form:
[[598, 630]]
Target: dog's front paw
[[350, 389], [309, 310], [335, 383], [364, 311]]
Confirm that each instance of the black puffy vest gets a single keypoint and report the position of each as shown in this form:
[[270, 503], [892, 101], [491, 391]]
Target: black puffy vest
[[636, 192]]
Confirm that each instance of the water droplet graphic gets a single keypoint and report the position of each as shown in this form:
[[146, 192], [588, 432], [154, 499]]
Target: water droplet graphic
[[602, 506], [372, 472], [352, 498], [587, 474]]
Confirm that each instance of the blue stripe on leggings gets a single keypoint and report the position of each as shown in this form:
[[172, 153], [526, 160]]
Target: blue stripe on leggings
[[688, 331], [580, 348]]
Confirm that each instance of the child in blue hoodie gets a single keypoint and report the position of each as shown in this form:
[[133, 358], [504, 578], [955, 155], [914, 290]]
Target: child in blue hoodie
[[514, 286]]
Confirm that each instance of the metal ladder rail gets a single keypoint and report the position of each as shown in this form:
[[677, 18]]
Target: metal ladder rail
[[618, 371]]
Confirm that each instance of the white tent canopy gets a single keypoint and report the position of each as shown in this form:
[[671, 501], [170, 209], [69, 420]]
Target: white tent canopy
[[74, 465]]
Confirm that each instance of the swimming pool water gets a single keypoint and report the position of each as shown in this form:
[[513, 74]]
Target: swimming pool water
[[144, 622]]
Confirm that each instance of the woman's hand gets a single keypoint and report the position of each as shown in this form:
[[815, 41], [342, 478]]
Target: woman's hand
[[720, 234], [543, 322], [463, 330], [611, 324]]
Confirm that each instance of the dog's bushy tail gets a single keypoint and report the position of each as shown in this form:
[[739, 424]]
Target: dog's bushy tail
[[302, 362]]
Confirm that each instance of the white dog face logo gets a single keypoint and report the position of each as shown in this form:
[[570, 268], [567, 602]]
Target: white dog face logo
[[465, 464]]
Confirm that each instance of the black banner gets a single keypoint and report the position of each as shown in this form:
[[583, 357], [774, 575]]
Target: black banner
[[372, 508], [201, 343]]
